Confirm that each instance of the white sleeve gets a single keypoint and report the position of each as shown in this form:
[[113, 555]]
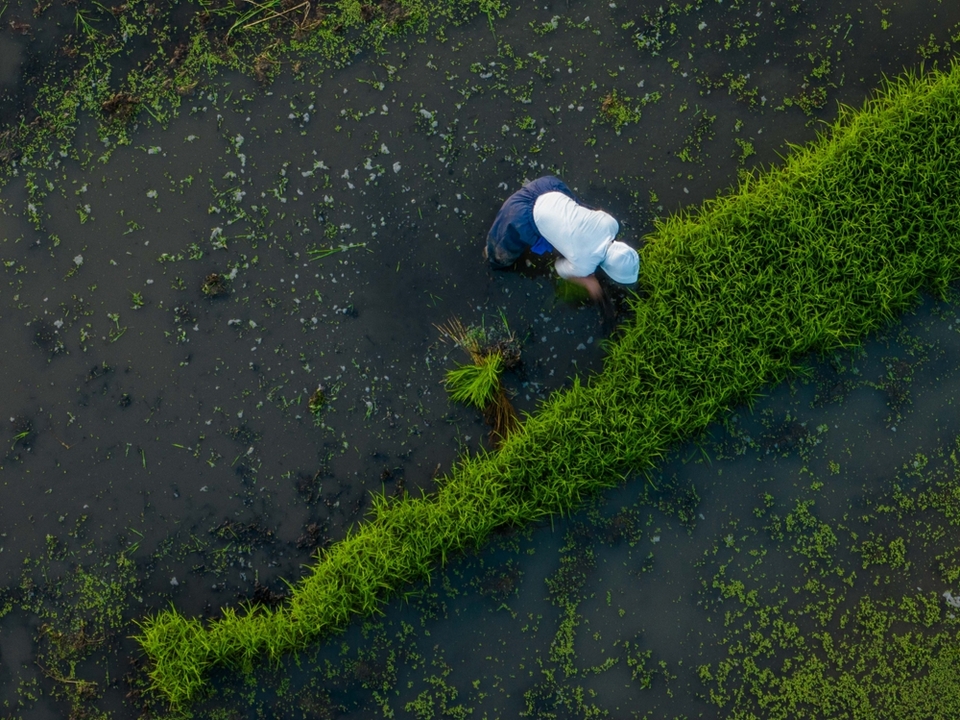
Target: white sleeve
[[567, 269]]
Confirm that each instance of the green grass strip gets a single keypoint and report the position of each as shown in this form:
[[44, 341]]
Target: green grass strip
[[809, 256]]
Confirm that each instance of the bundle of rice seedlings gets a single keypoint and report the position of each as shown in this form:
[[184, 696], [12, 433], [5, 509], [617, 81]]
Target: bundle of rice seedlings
[[571, 292], [479, 384], [471, 339]]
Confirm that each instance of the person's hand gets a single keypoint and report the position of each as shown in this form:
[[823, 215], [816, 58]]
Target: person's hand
[[591, 285]]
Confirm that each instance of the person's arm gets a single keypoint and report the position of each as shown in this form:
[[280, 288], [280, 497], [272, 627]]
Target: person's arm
[[570, 272], [591, 284]]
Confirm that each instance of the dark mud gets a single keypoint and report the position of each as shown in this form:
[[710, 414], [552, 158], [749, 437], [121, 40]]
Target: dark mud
[[173, 305]]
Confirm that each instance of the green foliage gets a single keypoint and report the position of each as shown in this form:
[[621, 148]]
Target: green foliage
[[260, 37], [639, 663], [850, 639], [807, 257]]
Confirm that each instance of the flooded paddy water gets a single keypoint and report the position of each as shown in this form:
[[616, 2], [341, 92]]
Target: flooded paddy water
[[709, 588], [173, 305]]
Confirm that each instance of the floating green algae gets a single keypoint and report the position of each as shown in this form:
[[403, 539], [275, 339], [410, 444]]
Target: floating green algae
[[855, 637]]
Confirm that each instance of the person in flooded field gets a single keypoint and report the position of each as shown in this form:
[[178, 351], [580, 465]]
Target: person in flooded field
[[545, 216]]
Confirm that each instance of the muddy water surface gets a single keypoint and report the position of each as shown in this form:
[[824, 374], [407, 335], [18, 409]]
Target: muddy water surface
[[173, 304]]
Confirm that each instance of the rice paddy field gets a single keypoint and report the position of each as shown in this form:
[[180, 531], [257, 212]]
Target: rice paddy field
[[241, 246]]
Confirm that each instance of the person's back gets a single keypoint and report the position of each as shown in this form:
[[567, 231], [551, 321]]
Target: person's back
[[514, 230], [578, 234], [545, 216]]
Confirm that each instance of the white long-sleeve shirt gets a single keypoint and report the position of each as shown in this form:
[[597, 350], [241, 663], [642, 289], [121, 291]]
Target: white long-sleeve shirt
[[581, 236]]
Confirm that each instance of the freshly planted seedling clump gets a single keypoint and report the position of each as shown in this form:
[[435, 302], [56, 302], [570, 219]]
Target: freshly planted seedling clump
[[215, 285], [317, 401]]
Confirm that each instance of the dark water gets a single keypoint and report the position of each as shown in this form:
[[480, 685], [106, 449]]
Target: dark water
[[546, 622], [177, 430]]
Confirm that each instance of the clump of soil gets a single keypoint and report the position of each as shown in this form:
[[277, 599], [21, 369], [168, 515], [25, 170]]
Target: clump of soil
[[215, 285], [314, 536], [120, 106], [308, 487], [265, 597], [252, 533], [391, 11]]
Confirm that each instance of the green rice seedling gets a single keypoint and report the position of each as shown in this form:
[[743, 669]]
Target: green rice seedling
[[84, 26], [476, 384], [319, 252]]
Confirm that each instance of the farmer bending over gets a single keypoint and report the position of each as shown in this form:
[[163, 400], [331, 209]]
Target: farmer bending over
[[545, 216]]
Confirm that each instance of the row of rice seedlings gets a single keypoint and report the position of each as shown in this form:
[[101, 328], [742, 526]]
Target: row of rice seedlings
[[807, 257]]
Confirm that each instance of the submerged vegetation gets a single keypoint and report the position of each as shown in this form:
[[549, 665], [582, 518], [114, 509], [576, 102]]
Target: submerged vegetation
[[806, 257]]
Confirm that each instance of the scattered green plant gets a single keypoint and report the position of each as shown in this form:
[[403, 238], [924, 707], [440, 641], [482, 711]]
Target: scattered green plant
[[616, 110]]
